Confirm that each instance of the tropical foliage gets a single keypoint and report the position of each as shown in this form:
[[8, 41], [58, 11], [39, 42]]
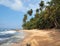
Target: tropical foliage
[[46, 17]]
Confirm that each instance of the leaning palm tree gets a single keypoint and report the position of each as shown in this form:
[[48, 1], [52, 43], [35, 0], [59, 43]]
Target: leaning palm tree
[[25, 18], [37, 10], [37, 13], [41, 5], [30, 12]]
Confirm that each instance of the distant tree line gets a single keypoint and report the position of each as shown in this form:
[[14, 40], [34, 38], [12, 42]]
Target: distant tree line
[[46, 17]]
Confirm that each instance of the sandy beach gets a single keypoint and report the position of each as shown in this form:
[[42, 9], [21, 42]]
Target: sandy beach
[[40, 38]]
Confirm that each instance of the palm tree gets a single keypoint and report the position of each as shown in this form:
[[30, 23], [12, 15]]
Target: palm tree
[[37, 13], [37, 10], [25, 18], [30, 12], [41, 5]]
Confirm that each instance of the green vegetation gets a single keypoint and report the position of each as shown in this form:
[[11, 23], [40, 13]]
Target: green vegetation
[[46, 17]]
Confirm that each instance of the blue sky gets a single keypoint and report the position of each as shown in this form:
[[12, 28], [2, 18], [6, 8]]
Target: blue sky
[[12, 12]]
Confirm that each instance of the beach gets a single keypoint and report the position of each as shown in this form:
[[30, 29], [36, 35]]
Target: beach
[[40, 38]]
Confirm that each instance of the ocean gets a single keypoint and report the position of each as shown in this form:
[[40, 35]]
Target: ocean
[[8, 37]]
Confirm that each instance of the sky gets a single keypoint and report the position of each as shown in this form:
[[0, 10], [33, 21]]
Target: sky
[[12, 12]]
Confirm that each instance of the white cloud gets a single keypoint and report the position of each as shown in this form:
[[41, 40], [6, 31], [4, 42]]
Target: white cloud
[[33, 6], [30, 6], [13, 4], [19, 5]]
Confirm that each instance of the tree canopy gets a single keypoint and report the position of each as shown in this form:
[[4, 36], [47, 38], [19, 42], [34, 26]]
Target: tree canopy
[[46, 17]]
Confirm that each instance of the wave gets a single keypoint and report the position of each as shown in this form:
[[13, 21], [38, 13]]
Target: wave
[[8, 37], [7, 32], [5, 35]]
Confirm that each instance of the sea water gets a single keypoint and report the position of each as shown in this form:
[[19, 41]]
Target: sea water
[[8, 37]]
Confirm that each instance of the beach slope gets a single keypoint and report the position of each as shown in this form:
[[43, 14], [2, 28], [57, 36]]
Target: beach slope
[[40, 38]]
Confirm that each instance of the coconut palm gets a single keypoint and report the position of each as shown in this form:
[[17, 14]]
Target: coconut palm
[[25, 18], [41, 5], [30, 12]]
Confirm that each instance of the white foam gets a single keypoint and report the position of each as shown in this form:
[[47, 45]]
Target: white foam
[[7, 32], [10, 32]]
